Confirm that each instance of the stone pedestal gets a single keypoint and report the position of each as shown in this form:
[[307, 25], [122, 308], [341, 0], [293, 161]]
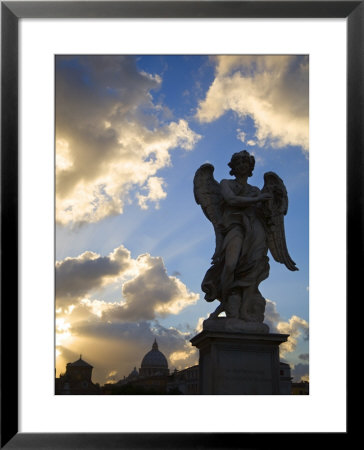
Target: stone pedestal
[[238, 362]]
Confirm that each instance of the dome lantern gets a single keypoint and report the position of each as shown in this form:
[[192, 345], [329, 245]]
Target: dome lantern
[[155, 345]]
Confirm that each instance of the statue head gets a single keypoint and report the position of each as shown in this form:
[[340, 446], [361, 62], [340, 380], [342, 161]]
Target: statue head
[[239, 159]]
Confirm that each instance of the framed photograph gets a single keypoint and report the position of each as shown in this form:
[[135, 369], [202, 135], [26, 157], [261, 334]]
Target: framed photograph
[[113, 115]]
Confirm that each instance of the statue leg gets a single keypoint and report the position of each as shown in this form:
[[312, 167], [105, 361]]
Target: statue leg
[[217, 311], [233, 304], [248, 293], [253, 305]]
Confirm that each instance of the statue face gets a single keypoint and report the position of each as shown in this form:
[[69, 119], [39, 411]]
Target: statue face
[[242, 166]]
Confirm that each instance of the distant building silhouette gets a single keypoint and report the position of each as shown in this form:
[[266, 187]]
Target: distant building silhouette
[[301, 388], [184, 381], [285, 379], [153, 377], [77, 380]]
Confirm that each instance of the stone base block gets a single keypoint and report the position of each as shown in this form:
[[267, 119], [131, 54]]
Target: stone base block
[[238, 363], [234, 325]]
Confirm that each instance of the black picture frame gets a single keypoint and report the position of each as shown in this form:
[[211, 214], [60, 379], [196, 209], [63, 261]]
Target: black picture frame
[[11, 12]]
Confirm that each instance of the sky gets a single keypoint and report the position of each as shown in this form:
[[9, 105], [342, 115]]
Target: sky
[[132, 246]]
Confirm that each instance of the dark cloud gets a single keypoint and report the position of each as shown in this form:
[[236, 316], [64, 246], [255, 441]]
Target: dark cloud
[[78, 276], [151, 293], [304, 356], [98, 328], [300, 371], [306, 334]]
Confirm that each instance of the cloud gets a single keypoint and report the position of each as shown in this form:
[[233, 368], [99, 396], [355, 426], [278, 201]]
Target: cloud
[[251, 143], [112, 137], [155, 192], [200, 321], [199, 326], [271, 316], [273, 90], [241, 135], [112, 377], [296, 327], [304, 357], [184, 357]]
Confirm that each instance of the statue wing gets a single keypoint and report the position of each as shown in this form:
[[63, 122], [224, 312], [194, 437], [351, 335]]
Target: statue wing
[[208, 195], [274, 211]]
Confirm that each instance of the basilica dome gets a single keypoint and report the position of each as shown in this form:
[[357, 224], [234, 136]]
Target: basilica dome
[[154, 358]]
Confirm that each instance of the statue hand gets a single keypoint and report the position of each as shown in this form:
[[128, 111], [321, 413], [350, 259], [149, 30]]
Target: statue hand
[[264, 197]]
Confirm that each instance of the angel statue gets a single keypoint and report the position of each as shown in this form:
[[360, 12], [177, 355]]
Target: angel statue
[[247, 222]]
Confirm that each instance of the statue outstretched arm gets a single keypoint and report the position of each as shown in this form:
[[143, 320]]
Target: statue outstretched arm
[[236, 200]]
